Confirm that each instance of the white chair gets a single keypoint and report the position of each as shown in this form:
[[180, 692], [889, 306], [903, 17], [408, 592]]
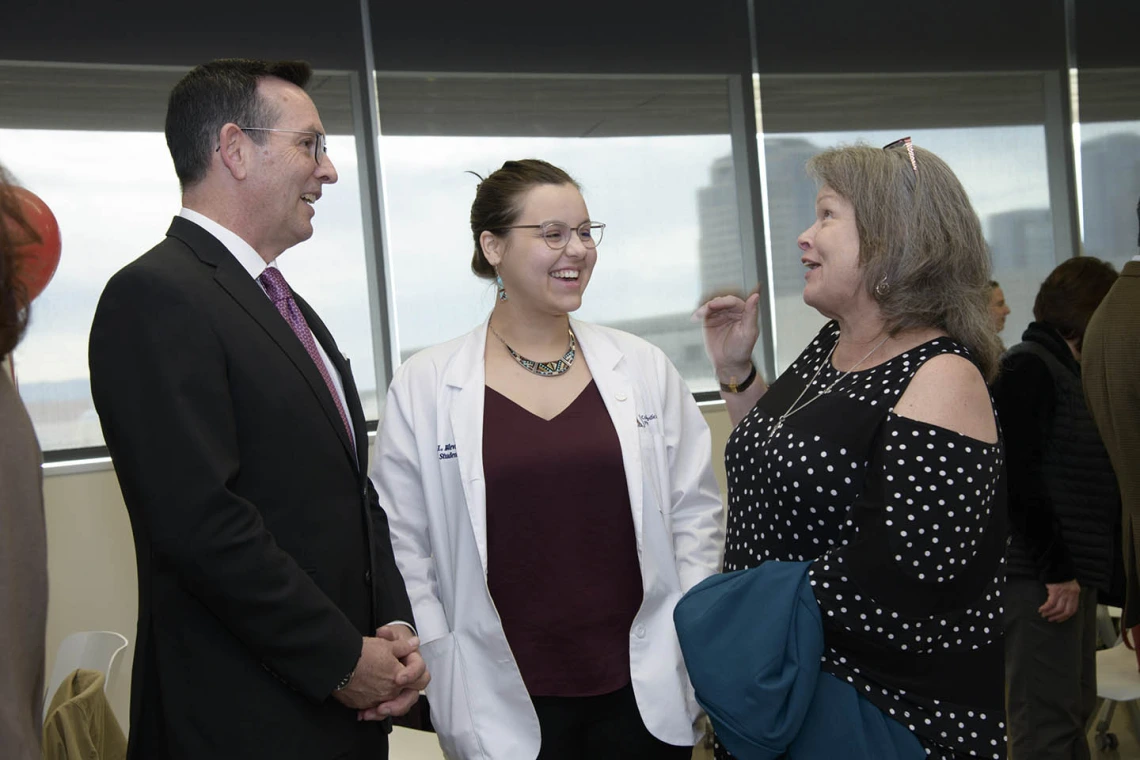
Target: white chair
[[1117, 681], [90, 650]]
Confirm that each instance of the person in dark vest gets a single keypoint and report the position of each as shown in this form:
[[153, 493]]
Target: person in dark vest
[[1063, 504]]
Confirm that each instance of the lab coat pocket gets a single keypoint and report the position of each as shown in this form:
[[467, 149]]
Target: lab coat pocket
[[448, 699]]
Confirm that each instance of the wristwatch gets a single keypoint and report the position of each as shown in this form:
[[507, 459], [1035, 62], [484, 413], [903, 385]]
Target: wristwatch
[[345, 681], [738, 387]]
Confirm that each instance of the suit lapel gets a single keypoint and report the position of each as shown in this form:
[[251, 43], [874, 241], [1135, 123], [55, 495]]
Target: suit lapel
[[236, 281]]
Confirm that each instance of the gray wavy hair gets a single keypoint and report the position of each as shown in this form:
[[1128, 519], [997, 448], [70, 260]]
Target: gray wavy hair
[[922, 254]]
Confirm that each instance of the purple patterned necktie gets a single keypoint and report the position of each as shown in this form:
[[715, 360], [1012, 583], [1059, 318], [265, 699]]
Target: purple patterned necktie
[[274, 283]]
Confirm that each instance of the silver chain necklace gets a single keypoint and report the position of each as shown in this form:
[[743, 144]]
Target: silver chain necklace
[[792, 408], [542, 369]]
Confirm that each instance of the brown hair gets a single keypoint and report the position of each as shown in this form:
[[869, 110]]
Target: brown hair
[[921, 250], [1070, 294], [215, 94], [498, 201], [14, 303]]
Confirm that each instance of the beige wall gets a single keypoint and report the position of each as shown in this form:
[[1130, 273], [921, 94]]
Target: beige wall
[[91, 568], [720, 427], [91, 560]]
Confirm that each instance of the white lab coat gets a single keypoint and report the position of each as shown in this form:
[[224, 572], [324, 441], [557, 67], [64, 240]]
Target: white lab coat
[[428, 470]]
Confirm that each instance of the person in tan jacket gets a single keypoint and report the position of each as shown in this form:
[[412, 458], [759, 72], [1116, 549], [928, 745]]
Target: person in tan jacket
[[23, 539], [1111, 376]]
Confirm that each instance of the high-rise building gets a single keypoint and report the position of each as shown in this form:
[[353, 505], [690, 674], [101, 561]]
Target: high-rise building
[[718, 217], [1020, 238], [1110, 187], [791, 208]]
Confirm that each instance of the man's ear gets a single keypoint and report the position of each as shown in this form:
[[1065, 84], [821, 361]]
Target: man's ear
[[234, 149], [493, 247]]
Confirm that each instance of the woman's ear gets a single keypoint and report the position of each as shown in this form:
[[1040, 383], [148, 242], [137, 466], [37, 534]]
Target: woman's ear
[[493, 247]]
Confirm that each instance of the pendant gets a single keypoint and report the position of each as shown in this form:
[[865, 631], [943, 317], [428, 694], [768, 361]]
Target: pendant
[[775, 428]]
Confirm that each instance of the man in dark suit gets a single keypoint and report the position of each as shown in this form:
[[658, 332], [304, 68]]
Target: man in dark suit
[[264, 559]]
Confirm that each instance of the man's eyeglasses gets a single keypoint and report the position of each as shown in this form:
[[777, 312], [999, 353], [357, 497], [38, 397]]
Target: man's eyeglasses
[[909, 151], [557, 234], [317, 148]]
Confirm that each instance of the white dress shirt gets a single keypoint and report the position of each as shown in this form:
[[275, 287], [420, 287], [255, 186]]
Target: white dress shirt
[[252, 262]]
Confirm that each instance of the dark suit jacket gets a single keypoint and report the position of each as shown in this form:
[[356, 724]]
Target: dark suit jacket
[[1110, 371], [263, 553]]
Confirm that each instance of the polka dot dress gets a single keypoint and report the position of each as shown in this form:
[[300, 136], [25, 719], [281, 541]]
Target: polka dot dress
[[802, 489]]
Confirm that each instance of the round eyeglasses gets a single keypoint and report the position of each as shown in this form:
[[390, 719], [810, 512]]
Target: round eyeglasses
[[557, 234]]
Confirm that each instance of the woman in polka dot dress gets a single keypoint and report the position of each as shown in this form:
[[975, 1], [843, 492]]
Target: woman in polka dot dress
[[876, 455]]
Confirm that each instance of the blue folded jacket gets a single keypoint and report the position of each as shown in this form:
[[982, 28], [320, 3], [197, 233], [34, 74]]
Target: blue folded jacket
[[752, 642]]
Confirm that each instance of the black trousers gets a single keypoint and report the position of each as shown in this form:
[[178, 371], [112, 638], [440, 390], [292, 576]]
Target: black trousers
[[371, 741], [1050, 674], [606, 727]]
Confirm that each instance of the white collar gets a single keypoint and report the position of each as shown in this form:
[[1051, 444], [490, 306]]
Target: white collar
[[250, 259]]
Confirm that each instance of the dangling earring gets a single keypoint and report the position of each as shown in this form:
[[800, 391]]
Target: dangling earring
[[499, 285], [883, 287]]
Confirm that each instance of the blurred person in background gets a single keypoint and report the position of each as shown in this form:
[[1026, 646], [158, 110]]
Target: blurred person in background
[[999, 309], [23, 534], [1063, 507], [1111, 374]]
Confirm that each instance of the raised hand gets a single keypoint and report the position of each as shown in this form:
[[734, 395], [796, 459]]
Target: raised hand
[[730, 332]]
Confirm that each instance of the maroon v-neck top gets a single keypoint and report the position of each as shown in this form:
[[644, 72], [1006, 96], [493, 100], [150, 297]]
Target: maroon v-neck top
[[562, 560]]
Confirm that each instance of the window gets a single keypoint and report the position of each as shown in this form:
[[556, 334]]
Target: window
[[653, 157], [988, 129], [107, 216], [113, 191], [1110, 163]]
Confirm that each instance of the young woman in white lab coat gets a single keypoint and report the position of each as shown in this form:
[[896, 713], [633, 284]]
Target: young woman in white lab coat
[[551, 496]]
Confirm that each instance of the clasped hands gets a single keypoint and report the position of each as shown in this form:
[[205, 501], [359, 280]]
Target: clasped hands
[[389, 675]]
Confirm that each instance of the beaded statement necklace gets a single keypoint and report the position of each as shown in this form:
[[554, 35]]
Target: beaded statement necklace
[[792, 408], [543, 369]]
